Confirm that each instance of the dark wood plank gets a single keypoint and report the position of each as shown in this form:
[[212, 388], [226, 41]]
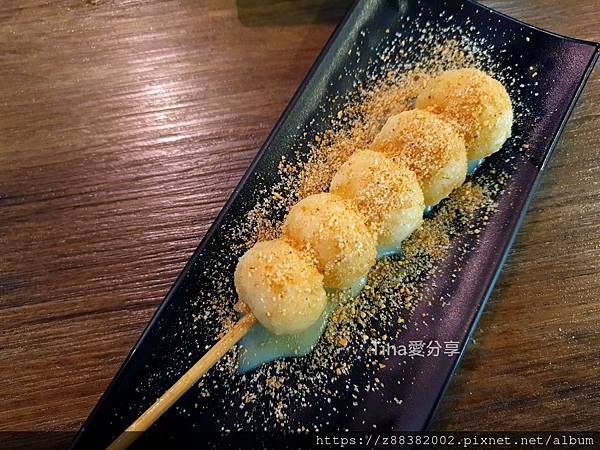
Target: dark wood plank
[[124, 126]]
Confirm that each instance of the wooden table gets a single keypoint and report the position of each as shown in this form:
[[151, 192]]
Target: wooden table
[[124, 127]]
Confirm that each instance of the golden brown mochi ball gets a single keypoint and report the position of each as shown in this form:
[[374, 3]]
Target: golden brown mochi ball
[[478, 104], [336, 234], [386, 193], [428, 146], [281, 286]]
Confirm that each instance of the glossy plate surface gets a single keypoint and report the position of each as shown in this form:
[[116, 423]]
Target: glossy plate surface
[[173, 341]]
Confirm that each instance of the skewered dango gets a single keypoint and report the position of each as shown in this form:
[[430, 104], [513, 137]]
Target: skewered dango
[[330, 240]]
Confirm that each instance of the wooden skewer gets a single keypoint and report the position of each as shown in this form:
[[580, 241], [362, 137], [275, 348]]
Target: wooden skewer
[[186, 381]]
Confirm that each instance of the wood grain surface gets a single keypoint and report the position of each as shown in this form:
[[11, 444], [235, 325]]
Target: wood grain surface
[[124, 127]]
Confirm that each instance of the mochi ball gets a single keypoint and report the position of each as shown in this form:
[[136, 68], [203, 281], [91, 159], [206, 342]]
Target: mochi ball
[[281, 286], [336, 234], [430, 147], [386, 193], [476, 103]]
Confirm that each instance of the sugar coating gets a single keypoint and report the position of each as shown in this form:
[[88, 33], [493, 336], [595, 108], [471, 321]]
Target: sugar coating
[[430, 147], [337, 236], [476, 103], [281, 286], [386, 193]]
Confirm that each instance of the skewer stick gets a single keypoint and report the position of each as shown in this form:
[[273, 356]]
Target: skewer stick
[[184, 383]]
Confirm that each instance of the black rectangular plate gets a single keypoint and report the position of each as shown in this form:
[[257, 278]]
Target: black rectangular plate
[[171, 343]]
